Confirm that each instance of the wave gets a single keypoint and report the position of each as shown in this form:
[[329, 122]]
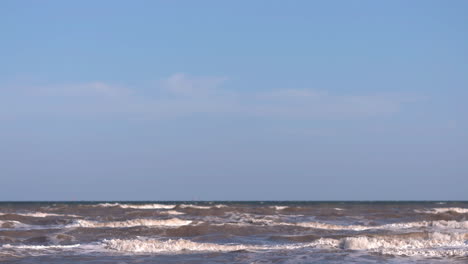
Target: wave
[[137, 206], [174, 222], [182, 245], [277, 207], [156, 246], [12, 224], [444, 210], [40, 246], [40, 214], [193, 206], [172, 212], [319, 225], [412, 244], [435, 245], [442, 224]]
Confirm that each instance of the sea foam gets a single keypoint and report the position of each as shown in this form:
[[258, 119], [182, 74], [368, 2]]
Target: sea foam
[[174, 222], [40, 214], [143, 245], [444, 210], [435, 245], [137, 206]]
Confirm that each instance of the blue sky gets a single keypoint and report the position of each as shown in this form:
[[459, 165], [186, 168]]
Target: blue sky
[[233, 100]]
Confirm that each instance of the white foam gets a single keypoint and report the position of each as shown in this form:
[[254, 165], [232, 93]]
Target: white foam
[[319, 225], [442, 224], [174, 222], [444, 210], [41, 247], [156, 246], [41, 214], [138, 206], [423, 245], [339, 209], [182, 245], [195, 206], [436, 245], [40, 250], [277, 207]]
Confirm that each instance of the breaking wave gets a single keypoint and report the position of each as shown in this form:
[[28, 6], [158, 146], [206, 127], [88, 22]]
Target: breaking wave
[[12, 224], [40, 246], [174, 222], [182, 245], [277, 207], [426, 245], [202, 207], [419, 244], [40, 214], [444, 210], [435, 245], [138, 206], [442, 224]]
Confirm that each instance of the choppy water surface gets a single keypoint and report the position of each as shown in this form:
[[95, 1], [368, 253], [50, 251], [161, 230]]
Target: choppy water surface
[[234, 232]]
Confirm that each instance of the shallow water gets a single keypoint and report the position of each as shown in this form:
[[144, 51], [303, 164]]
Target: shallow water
[[234, 232]]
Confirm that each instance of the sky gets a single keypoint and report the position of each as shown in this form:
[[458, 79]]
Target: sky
[[233, 100]]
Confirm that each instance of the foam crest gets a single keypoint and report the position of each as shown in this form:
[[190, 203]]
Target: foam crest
[[319, 225], [41, 214], [444, 210], [435, 245], [182, 245], [40, 247], [157, 246], [41, 250], [277, 207], [195, 206], [137, 206], [174, 222], [442, 224]]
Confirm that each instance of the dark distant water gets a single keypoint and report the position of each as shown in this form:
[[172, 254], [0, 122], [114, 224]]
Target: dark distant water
[[234, 232]]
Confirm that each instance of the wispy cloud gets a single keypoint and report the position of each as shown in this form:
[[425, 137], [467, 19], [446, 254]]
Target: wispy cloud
[[183, 84], [99, 89], [182, 94]]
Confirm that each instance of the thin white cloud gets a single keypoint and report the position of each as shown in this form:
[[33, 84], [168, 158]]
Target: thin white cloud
[[182, 84], [76, 90], [197, 95]]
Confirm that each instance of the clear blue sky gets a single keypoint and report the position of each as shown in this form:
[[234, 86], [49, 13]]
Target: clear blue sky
[[233, 100]]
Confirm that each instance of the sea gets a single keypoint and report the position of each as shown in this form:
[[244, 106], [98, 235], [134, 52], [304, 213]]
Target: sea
[[234, 232]]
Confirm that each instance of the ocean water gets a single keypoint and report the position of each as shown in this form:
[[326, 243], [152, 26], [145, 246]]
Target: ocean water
[[234, 232]]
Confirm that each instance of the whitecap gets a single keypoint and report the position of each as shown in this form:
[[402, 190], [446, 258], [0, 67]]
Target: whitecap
[[195, 206], [174, 222], [137, 206], [181, 245], [435, 245], [277, 207], [40, 247], [40, 214], [444, 210]]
